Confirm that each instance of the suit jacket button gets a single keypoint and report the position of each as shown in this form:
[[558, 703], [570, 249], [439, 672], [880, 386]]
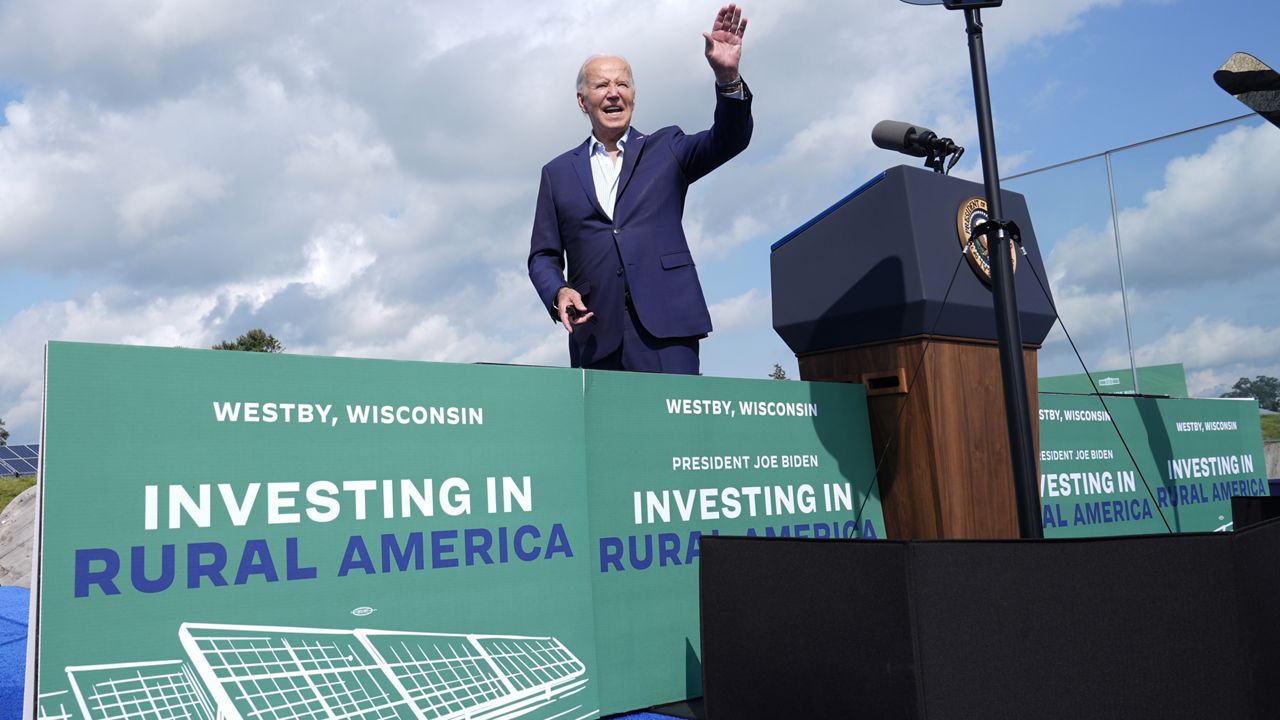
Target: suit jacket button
[[616, 231], [619, 271]]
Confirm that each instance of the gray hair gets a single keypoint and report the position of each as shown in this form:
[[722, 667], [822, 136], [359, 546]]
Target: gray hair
[[582, 71]]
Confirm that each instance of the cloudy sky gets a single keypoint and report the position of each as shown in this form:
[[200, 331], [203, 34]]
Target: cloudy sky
[[358, 178]]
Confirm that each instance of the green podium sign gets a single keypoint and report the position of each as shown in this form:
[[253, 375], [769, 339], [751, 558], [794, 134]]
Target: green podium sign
[[1173, 466], [243, 535], [671, 458]]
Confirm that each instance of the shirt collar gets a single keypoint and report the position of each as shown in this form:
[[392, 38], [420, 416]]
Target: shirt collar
[[598, 147]]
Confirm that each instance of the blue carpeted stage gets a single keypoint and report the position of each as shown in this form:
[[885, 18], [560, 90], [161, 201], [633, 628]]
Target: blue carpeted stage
[[14, 602]]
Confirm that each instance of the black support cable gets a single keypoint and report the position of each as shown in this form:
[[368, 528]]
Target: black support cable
[[1096, 393]]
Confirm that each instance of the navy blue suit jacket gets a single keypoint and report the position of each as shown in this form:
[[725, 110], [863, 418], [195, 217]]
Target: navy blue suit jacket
[[643, 248]]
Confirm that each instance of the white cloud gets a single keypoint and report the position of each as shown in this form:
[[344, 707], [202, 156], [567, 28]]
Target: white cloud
[[711, 238], [1087, 315], [146, 210], [553, 349], [335, 259], [741, 311], [1211, 219], [1208, 342]]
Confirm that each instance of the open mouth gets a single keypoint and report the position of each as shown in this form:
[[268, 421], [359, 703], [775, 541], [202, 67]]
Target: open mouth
[[612, 109]]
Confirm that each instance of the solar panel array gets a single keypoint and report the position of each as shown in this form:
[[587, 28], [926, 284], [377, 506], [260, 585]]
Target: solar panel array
[[291, 673], [450, 676], [531, 662], [445, 674], [56, 706], [275, 673], [19, 459], [165, 690]]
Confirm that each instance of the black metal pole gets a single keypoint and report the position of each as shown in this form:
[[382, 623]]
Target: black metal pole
[[1017, 404]]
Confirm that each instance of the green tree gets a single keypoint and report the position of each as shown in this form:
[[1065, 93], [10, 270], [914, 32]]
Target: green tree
[[256, 340], [1263, 387], [4, 434], [778, 373]]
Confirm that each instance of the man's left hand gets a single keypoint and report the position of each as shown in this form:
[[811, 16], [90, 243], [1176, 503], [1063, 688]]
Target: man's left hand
[[724, 43]]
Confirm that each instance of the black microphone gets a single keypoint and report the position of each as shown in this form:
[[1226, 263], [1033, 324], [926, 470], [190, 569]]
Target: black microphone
[[910, 139]]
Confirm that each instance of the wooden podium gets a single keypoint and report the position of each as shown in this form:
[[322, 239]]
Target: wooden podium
[[875, 291]]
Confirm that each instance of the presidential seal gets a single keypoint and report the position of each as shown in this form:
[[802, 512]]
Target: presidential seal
[[973, 212]]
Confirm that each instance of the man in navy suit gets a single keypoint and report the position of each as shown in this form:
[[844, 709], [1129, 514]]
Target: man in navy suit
[[613, 206]]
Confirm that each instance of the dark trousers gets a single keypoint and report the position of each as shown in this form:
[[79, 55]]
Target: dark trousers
[[642, 352]]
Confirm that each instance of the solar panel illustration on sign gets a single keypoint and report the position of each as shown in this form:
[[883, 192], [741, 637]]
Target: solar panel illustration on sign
[[139, 691], [477, 676], [247, 672], [56, 706]]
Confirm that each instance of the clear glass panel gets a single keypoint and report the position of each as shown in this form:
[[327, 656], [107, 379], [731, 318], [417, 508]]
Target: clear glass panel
[[1200, 238], [1070, 209]]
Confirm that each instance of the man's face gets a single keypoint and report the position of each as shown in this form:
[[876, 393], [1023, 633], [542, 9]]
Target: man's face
[[608, 96]]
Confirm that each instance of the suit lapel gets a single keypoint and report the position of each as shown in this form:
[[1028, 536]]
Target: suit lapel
[[582, 166], [635, 146]]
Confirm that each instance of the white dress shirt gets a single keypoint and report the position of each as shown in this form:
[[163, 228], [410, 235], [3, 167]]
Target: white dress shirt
[[605, 171]]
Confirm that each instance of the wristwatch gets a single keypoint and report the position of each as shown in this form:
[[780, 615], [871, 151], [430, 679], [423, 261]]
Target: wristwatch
[[729, 88]]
